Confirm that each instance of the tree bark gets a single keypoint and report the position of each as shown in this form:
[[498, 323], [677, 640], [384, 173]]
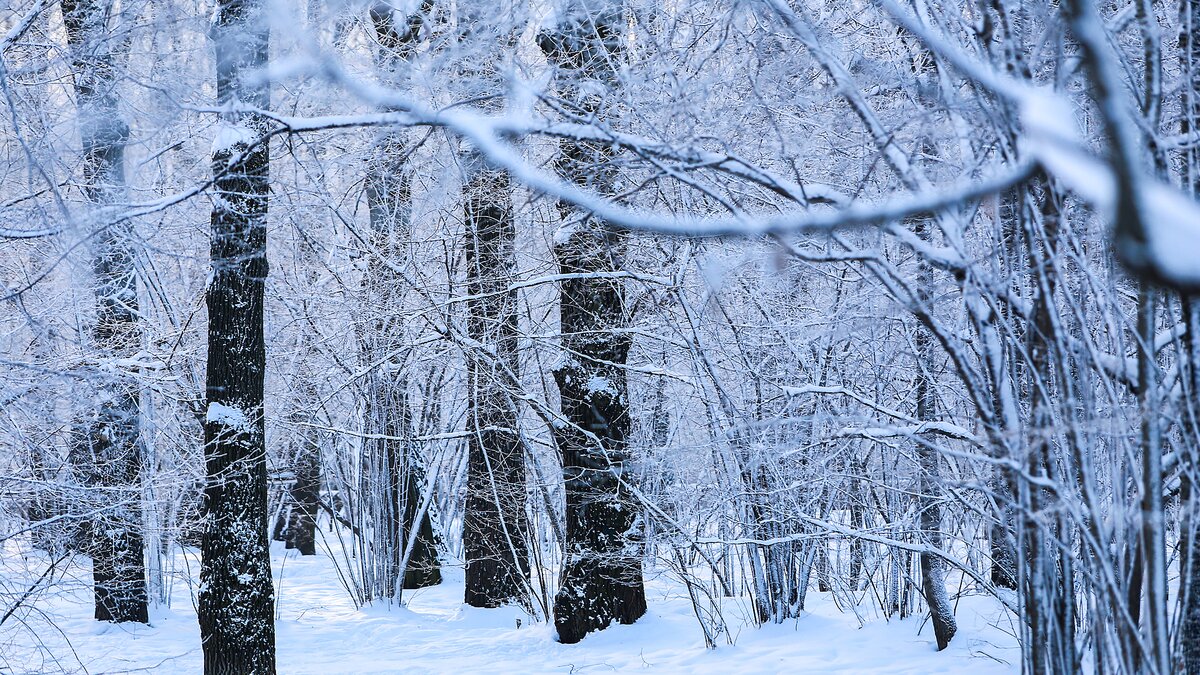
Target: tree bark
[[929, 483], [495, 527], [602, 576], [933, 574], [305, 495], [111, 455], [1189, 545], [236, 599]]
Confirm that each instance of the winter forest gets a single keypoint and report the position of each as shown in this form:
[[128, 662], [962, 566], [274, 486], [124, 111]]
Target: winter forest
[[419, 336]]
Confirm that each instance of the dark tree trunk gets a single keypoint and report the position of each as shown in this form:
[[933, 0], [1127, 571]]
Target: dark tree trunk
[[236, 600], [495, 525], [1189, 544], [303, 501], [494, 522], [602, 575], [111, 455], [300, 532]]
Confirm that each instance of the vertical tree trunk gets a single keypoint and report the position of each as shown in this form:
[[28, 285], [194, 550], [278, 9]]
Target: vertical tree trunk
[[1189, 544], [602, 576], [112, 448], [236, 600], [929, 509], [1153, 538], [300, 532], [494, 524], [393, 476]]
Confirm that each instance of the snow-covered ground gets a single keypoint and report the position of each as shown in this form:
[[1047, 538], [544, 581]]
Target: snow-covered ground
[[320, 631]]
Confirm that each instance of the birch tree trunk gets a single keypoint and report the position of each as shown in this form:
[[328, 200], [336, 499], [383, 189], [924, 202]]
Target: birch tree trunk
[[929, 508], [236, 601]]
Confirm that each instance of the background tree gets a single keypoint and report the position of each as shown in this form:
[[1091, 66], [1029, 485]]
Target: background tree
[[495, 526], [602, 576], [108, 454]]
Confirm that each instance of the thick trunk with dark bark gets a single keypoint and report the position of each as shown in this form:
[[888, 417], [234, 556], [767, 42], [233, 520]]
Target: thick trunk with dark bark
[[495, 526], [602, 575], [1189, 544], [602, 578], [109, 453], [236, 600]]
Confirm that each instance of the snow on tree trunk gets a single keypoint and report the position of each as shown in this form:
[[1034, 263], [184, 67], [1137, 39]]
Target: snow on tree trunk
[[110, 452], [602, 575], [236, 599]]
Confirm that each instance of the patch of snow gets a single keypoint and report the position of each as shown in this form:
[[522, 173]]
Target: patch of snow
[[230, 136], [229, 416], [563, 234], [599, 383]]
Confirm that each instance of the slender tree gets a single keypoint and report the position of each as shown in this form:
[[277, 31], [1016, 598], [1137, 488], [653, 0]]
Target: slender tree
[[602, 576], [236, 601], [1189, 544], [110, 455], [929, 514], [392, 472]]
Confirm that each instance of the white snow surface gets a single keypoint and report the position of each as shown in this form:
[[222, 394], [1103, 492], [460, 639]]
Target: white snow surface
[[320, 632]]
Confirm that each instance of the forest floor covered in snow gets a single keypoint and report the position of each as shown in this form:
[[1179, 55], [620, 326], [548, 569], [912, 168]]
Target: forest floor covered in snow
[[319, 630]]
